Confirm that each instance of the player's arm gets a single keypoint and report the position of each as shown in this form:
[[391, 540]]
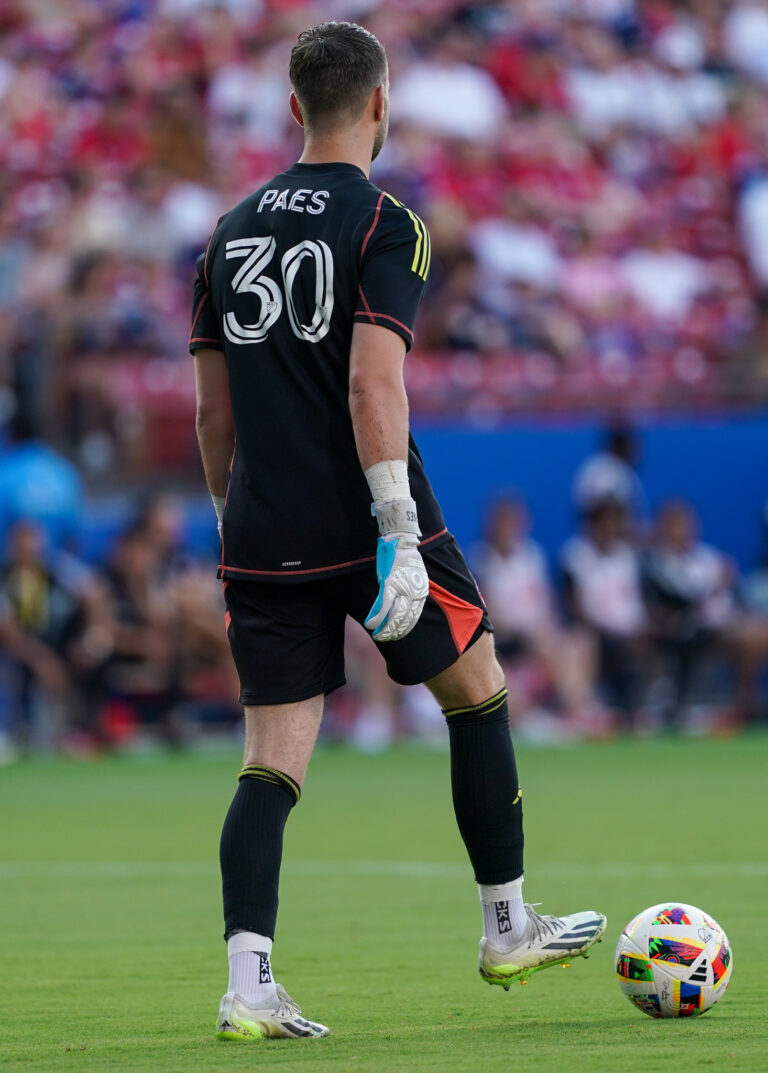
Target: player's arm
[[213, 422], [379, 407], [377, 399]]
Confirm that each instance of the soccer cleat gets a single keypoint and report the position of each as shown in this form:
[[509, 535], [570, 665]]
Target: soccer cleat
[[547, 941], [240, 1021]]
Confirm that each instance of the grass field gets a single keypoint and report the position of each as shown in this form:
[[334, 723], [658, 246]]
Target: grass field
[[111, 954]]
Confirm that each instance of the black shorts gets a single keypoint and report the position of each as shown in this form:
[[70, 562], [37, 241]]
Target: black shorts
[[288, 640]]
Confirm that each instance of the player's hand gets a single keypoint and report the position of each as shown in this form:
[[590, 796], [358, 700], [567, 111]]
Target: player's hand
[[403, 587]]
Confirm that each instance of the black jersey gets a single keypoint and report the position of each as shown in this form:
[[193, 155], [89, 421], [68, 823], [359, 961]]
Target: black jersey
[[286, 274]]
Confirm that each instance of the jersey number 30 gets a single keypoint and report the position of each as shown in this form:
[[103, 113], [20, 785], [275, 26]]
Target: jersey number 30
[[256, 253]]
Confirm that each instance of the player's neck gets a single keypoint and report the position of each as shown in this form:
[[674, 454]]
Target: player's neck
[[351, 148]]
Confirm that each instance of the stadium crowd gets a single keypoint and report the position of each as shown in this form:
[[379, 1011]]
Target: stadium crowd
[[594, 174]]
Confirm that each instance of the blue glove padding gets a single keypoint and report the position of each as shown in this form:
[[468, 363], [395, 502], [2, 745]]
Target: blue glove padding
[[403, 587]]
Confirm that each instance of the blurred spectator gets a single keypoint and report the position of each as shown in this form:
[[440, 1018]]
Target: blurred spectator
[[745, 35], [463, 319], [208, 681], [690, 595], [513, 578], [610, 474], [170, 667], [41, 619], [753, 221], [37, 484], [602, 591], [448, 92], [159, 520], [664, 281], [142, 678], [749, 637]]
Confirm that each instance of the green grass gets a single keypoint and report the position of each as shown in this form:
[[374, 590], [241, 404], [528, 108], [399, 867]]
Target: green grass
[[110, 934]]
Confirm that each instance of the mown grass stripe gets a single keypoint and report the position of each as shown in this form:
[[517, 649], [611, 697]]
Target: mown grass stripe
[[388, 869]]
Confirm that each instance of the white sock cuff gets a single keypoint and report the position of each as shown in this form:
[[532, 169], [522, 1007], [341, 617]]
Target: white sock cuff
[[249, 940], [500, 892]]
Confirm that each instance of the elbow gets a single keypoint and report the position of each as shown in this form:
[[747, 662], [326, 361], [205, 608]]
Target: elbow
[[365, 388], [212, 419], [358, 387]]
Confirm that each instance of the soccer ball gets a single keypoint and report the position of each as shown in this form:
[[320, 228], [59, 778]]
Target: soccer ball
[[673, 960]]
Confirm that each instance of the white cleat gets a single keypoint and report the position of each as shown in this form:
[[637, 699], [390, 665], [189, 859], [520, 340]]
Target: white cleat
[[282, 1020], [547, 941]]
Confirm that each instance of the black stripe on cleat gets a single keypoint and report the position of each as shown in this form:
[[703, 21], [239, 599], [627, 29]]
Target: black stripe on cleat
[[559, 946]]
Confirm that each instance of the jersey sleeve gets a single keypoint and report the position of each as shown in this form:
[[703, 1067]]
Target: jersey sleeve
[[395, 257], [205, 330]]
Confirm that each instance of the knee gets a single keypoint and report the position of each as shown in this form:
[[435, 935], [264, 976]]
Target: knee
[[476, 676], [496, 677]]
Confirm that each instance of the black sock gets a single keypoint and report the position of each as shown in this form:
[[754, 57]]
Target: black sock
[[252, 847], [486, 794]]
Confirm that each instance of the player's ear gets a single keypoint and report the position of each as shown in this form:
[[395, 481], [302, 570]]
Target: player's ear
[[378, 97], [296, 110]]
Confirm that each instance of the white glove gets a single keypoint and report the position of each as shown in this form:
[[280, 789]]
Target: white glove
[[403, 587]]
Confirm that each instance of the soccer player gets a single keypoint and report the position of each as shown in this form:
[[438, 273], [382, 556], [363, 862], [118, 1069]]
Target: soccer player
[[304, 307]]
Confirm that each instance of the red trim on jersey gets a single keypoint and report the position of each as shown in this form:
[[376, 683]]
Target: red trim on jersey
[[291, 573], [227, 620], [196, 317], [382, 316], [205, 259], [463, 618], [373, 226], [321, 569], [434, 536], [200, 338], [365, 303]]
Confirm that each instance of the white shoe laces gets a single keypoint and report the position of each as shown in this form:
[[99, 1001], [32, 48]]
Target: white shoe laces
[[541, 926], [286, 1007]]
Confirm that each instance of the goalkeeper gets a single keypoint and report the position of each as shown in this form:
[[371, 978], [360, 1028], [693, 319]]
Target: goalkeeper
[[303, 312]]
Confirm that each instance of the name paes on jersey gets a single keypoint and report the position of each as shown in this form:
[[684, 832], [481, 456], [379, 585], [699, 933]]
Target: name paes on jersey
[[294, 200]]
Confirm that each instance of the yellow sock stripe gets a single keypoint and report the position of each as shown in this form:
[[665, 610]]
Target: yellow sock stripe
[[422, 255], [488, 706], [272, 776]]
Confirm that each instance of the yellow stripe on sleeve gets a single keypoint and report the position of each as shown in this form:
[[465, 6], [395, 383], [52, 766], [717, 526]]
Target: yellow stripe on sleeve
[[422, 255]]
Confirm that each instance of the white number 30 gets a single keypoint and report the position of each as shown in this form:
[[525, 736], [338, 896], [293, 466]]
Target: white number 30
[[256, 253]]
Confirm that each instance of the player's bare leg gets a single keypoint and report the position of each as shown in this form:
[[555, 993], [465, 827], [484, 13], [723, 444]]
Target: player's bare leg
[[475, 676], [487, 799], [282, 736], [279, 740]]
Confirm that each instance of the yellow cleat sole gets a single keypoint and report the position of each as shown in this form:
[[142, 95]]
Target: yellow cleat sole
[[248, 1034], [522, 976]]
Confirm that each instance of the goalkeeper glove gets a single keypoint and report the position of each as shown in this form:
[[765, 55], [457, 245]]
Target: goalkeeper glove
[[402, 576]]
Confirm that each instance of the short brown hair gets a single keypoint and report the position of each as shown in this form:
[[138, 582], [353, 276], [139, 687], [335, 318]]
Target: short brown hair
[[335, 66]]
